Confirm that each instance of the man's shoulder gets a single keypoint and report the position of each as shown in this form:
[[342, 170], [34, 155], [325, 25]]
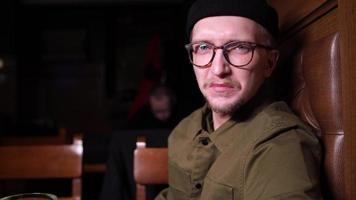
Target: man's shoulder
[[279, 115], [278, 118]]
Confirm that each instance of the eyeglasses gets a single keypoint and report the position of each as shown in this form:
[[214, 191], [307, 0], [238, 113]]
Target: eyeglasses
[[237, 53]]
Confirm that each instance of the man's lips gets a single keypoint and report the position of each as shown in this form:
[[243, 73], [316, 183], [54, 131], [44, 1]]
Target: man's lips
[[221, 87]]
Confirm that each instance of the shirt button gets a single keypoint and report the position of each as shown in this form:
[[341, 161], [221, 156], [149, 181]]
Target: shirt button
[[198, 186], [205, 141]]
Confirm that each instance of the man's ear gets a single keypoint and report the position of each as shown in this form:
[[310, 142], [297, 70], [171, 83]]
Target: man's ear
[[272, 59]]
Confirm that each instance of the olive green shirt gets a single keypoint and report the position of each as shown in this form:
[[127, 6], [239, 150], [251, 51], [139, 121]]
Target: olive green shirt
[[269, 155]]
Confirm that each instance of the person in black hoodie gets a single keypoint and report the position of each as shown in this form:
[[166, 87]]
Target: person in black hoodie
[[158, 113], [155, 120]]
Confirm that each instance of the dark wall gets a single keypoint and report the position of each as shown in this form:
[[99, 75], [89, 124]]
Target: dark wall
[[79, 66]]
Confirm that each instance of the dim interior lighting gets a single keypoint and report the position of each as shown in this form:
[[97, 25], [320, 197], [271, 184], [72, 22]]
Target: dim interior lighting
[[2, 63]]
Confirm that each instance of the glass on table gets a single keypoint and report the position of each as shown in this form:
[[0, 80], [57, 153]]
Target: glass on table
[[31, 196]]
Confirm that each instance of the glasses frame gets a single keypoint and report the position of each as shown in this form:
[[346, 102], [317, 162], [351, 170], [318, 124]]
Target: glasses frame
[[189, 48]]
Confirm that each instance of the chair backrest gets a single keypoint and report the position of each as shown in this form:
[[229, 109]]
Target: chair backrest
[[60, 161], [316, 97], [150, 167]]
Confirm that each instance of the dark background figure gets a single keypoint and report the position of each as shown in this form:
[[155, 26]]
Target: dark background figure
[[154, 120], [159, 111]]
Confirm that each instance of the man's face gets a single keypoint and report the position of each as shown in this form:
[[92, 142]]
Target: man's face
[[161, 107], [226, 87]]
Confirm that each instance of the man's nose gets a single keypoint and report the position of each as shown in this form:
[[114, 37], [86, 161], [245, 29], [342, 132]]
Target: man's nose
[[219, 65]]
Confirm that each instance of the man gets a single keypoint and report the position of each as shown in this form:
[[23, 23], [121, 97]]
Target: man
[[154, 121], [241, 144], [161, 102], [158, 113]]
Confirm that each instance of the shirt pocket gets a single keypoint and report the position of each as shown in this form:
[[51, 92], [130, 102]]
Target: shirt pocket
[[214, 190], [179, 182]]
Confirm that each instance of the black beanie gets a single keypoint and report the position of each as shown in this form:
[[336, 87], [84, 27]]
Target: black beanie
[[256, 10]]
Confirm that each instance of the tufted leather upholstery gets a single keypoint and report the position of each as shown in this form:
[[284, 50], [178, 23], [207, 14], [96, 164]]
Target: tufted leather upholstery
[[316, 98]]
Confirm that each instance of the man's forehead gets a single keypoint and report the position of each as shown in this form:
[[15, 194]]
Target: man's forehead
[[238, 28]]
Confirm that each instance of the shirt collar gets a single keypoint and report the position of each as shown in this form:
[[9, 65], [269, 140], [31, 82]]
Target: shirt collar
[[227, 132], [221, 137], [197, 122]]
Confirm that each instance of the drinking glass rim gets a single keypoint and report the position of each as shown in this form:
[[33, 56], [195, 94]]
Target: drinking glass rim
[[34, 194]]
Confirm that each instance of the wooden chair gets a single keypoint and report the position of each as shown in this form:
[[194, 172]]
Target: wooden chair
[[60, 161], [150, 167]]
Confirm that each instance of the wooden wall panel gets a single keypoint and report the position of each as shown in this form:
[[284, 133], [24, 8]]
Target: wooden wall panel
[[347, 28], [319, 29], [303, 22], [316, 30], [316, 25], [291, 12]]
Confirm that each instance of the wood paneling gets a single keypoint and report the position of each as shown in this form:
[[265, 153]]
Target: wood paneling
[[318, 29], [321, 28], [347, 28], [302, 27], [330, 17], [291, 12]]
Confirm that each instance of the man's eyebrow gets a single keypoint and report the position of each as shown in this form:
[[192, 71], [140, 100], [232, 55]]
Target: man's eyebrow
[[249, 41], [201, 41], [227, 42]]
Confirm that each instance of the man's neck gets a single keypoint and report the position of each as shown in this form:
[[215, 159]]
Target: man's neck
[[262, 98], [219, 119]]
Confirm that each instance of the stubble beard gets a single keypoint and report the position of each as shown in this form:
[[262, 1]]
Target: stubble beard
[[224, 108], [223, 105]]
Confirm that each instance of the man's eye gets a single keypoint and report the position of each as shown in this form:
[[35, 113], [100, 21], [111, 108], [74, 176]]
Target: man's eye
[[241, 48], [201, 48]]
